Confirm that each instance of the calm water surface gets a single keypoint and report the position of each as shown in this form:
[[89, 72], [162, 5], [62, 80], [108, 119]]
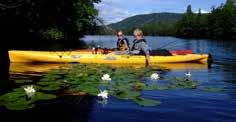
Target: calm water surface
[[177, 105]]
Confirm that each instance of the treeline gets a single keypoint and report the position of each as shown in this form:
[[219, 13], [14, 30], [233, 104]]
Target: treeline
[[219, 24], [46, 24], [152, 29]]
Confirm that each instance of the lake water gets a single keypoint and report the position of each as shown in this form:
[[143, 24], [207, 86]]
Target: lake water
[[177, 105]]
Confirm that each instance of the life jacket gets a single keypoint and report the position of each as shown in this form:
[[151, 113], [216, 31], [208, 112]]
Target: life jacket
[[123, 45], [136, 42]]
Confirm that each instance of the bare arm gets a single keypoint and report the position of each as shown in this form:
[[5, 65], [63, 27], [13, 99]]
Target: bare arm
[[144, 48]]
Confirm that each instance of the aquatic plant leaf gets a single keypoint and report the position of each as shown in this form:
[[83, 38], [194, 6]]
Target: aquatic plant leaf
[[121, 95], [146, 102], [186, 84], [51, 88], [45, 83], [127, 94], [42, 96], [23, 81], [152, 87], [51, 85], [139, 86], [90, 88], [20, 104], [18, 100], [127, 83], [182, 83], [15, 101], [213, 89]]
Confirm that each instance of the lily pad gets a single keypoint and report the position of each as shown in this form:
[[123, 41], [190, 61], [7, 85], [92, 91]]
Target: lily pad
[[182, 83], [23, 81], [146, 102], [127, 84], [18, 100], [213, 89], [127, 94]]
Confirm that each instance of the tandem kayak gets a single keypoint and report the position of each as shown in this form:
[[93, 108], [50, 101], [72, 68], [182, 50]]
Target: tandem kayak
[[88, 57]]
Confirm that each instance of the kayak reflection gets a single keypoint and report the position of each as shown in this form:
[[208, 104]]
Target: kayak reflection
[[38, 68]]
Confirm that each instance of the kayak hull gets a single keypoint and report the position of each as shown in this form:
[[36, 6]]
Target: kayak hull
[[77, 57]]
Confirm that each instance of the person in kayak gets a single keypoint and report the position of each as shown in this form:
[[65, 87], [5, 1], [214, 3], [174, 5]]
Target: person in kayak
[[140, 46], [122, 42]]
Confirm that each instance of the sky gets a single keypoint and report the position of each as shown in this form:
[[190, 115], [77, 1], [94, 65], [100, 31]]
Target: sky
[[111, 11]]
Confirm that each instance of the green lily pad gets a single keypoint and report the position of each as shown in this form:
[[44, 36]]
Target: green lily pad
[[182, 83], [127, 94], [146, 102], [213, 89], [54, 87], [18, 100], [23, 81], [90, 88], [127, 84]]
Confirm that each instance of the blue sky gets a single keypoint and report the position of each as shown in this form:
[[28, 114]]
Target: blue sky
[[115, 10]]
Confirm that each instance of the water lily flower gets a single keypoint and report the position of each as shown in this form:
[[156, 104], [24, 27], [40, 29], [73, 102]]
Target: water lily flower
[[155, 76], [103, 94], [30, 91], [106, 77], [188, 74]]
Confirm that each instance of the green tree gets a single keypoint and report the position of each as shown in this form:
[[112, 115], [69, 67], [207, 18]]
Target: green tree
[[189, 10], [222, 21], [42, 24], [200, 25], [219, 24], [185, 27]]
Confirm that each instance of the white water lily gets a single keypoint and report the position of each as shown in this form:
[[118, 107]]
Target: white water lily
[[106, 77], [155, 76], [30, 91], [188, 74], [103, 94]]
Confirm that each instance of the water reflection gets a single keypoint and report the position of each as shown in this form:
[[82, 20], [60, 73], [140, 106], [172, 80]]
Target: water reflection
[[32, 68], [39, 68], [63, 109], [5, 84]]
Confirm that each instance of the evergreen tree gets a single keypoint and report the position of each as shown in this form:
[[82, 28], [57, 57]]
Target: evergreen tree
[[185, 27], [219, 24]]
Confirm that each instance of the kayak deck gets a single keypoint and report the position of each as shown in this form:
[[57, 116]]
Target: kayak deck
[[75, 56]]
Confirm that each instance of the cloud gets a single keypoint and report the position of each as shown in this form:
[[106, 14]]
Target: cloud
[[112, 12]]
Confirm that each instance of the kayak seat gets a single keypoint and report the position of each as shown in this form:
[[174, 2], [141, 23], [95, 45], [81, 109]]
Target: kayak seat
[[160, 52]]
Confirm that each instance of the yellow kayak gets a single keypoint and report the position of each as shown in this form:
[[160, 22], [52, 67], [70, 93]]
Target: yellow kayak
[[78, 57]]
